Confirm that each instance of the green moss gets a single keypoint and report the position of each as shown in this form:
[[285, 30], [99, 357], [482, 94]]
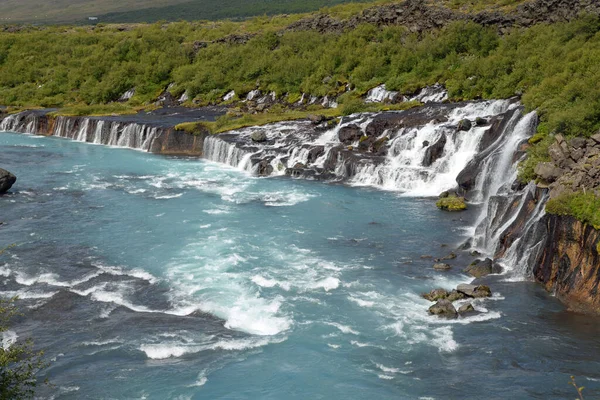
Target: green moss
[[598, 248], [583, 206], [452, 203]]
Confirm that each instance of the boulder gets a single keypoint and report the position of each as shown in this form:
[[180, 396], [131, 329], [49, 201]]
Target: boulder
[[349, 134], [475, 253], [435, 295], [483, 268], [455, 295], [578, 142], [464, 125], [317, 119], [481, 121], [452, 203], [547, 171], [442, 267], [434, 152], [7, 179], [466, 308], [474, 291], [259, 137], [443, 308], [596, 138]]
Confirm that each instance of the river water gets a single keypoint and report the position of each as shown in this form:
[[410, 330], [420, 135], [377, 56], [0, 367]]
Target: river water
[[147, 277]]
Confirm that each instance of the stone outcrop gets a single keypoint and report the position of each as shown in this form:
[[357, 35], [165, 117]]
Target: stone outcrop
[[7, 180], [570, 263], [443, 308], [575, 166], [420, 16]]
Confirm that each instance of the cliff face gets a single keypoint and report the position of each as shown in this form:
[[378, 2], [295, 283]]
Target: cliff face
[[570, 263], [112, 131]]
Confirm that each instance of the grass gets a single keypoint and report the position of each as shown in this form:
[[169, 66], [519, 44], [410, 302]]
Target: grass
[[232, 122], [583, 206], [98, 110], [452, 203]]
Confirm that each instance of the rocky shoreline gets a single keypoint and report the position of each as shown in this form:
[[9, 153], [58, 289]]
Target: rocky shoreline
[[559, 252]]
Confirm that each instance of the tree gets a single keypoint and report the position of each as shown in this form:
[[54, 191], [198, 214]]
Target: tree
[[19, 363]]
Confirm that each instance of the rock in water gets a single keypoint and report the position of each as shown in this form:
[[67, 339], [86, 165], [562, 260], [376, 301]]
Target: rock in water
[[442, 267], [483, 268], [443, 308], [259, 137], [6, 181], [434, 152], [435, 295], [464, 125], [466, 309], [474, 291]]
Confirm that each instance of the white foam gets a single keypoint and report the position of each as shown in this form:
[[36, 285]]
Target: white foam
[[343, 328], [8, 339]]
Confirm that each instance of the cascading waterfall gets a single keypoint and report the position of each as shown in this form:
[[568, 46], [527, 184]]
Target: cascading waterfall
[[91, 130]]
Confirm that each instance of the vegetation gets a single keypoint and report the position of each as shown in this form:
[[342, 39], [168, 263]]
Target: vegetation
[[69, 11], [583, 206], [57, 67], [19, 363], [451, 203]]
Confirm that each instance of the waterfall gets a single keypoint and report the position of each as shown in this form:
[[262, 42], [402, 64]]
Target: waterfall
[[228, 153], [91, 130]]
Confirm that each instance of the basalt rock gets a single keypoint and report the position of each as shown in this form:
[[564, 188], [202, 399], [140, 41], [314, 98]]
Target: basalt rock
[[435, 295], [464, 125], [570, 263], [7, 180], [259, 137], [443, 308], [483, 268], [434, 152], [474, 290], [442, 267], [349, 134]]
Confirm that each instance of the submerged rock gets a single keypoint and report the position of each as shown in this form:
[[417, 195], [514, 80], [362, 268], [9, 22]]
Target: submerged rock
[[443, 308], [7, 179], [442, 267]]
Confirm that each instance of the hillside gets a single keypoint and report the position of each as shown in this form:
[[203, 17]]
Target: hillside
[[78, 11]]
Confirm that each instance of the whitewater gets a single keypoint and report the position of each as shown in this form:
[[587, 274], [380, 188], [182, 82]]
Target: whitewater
[[177, 278]]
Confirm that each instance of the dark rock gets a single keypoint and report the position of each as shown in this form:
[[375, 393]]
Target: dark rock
[[425, 143], [547, 171], [481, 121], [450, 256], [466, 309], [474, 291], [426, 257], [349, 134], [475, 253], [442, 267], [259, 137], [315, 152], [435, 295], [264, 168], [578, 142], [455, 295], [443, 308], [480, 269], [7, 179], [596, 138], [464, 125], [317, 119], [434, 152]]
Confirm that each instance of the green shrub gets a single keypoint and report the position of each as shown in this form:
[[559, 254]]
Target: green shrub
[[452, 203], [583, 206]]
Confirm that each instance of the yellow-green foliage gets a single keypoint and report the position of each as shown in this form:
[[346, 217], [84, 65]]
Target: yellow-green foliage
[[65, 66], [583, 206], [451, 203]]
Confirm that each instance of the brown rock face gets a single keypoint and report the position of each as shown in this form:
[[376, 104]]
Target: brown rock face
[[570, 263]]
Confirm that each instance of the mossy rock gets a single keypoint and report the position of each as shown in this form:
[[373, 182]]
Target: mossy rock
[[452, 203]]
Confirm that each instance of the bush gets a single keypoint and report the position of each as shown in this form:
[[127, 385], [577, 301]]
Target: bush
[[583, 206]]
